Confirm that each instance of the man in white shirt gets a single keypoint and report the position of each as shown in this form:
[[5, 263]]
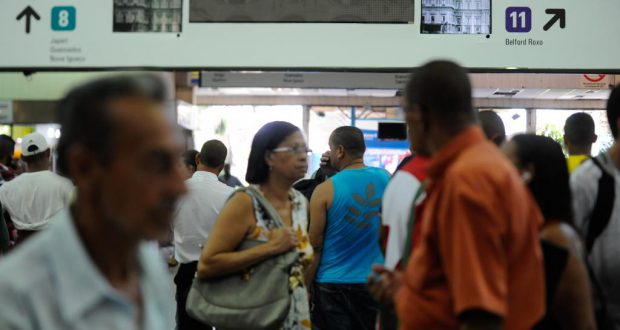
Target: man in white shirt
[[34, 197], [196, 214], [596, 205]]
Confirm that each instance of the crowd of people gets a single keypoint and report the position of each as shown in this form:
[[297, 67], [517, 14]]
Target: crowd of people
[[473, 231]]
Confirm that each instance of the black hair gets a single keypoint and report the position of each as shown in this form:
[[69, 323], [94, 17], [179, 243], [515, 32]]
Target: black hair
[[189, 158], [579, 129], [443, 89], [86, 119], [493, 126], [266, 139], [37, 157], [550, 184], [613, 110], [351, 139], [7, 147], [213, 153]]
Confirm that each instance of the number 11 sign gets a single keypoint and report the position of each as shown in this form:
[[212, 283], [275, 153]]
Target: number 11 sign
[[518, 19]]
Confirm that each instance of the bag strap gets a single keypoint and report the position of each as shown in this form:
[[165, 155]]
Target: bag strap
[[264, 203], [601, 214], [411, 224], [598, 222]]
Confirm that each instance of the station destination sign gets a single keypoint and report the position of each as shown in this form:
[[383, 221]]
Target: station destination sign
[[569, 35]]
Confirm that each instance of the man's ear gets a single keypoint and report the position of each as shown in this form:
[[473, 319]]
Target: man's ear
[[83, 166], [197, 159], [340, 152]]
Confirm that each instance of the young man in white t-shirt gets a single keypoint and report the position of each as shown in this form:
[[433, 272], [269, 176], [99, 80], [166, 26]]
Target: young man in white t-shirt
[[596, 205], [31, 199]]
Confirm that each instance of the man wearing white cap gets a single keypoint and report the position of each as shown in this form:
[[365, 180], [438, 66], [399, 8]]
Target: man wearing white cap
[[34, 197]]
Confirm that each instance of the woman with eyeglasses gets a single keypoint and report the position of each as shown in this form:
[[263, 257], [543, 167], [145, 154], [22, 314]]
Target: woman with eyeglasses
[[278, 158]]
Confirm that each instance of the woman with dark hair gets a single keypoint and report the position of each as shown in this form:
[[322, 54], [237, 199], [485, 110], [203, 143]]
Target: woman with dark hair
[[278, 158], [542, 165]]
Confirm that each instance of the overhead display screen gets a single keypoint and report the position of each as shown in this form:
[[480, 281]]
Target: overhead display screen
[[302, 11]]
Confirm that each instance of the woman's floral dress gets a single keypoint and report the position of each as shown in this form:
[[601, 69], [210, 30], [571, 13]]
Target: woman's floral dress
[[299, 313]]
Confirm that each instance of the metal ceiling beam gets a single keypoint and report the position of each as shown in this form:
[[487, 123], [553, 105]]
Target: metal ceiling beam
[[393, 102], [296, 100], [374, 80]]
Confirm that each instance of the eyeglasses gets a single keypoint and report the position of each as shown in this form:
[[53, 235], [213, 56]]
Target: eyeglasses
[[293, 150]]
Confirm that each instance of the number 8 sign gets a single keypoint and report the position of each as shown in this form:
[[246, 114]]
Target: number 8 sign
[[63, 18]]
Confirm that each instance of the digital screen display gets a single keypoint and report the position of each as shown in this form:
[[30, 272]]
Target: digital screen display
[[302, 11]]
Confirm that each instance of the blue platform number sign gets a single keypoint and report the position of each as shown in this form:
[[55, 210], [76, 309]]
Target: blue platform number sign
[[63, 18], [518, 19]]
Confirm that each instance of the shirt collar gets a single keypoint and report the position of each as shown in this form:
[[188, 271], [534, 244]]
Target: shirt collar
[[80, 285], [453, 149], [204, 175]]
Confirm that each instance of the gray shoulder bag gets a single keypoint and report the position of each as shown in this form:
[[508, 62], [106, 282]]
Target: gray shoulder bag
[[257, 298]]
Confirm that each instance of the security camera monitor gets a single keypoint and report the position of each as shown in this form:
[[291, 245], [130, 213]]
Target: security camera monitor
[[392, 131]]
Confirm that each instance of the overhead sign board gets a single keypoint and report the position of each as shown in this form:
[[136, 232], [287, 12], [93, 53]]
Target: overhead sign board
[[345, 80], [526, 34]]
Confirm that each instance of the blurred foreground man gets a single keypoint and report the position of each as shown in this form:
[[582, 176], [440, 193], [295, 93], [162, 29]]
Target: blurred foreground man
[[478, 263], [93, 268]]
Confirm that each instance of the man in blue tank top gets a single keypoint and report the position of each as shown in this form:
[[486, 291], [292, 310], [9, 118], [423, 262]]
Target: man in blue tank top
[[344, 231]]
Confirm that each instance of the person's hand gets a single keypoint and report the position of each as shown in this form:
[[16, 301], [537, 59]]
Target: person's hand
[[326, 165], [325, 159], [282, 239], [384, 288]]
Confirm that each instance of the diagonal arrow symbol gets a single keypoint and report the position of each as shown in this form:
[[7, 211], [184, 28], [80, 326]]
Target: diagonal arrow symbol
[[558, 15], [28, 12]]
